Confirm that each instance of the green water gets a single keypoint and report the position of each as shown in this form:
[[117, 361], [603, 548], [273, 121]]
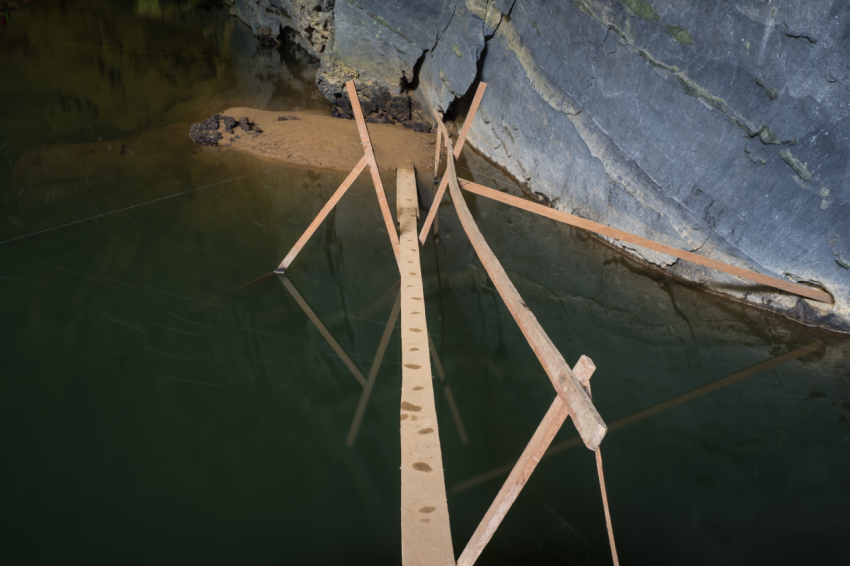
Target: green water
[[151, 415]]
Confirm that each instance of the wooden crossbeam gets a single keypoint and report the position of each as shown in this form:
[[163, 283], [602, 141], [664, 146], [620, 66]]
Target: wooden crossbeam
[[425, 533], [603, 230], [587, 420], [302, 241], [522, 470], [373, 167], [470, 116]]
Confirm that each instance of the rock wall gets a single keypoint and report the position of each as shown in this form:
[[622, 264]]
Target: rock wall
[[718, 127]]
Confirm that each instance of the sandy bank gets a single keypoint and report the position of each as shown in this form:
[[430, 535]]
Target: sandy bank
[[318, 140]]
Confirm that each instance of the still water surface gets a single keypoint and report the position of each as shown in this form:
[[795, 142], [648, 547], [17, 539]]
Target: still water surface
[[150, 414]]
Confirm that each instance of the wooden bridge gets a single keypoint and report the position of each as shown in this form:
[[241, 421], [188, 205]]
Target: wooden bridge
[[425, 526]]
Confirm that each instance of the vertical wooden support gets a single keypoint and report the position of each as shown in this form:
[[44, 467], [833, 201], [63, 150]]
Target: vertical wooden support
[[585, 382], [589, 424], [425, 533], [373, 373], [437, 156], [302, 241], [470, 116], [373, 167], [522, 470]]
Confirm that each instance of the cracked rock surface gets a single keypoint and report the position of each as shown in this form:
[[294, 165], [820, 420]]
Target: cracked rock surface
[[721, 127]]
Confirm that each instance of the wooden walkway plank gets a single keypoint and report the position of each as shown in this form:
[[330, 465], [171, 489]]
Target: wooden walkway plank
[[645, 243], [590, 425], [322, 330], [522, 470], [302, 241], [651, 411], [373, 373], [425, 532], [467, 124], [373, 167]]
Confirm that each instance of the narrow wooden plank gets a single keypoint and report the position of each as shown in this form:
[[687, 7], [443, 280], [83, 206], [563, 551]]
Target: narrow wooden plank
[[470, 116], [425, 533], [322, 330], [450, 398], [373, 373], [302, 241], [585, 382], [373, 167], [591, 226], [587, 420], [646, 413], [522, 470]]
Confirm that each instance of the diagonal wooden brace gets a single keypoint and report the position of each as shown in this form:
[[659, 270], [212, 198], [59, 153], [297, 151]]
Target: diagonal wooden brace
[[534, 451]]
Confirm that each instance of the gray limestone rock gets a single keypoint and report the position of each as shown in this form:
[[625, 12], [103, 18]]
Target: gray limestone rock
[[635, 114]]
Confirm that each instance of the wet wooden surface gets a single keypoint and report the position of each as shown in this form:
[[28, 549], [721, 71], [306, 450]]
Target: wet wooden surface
[[589, 424], [425, 533]]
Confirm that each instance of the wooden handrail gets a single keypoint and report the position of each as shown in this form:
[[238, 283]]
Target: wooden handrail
[[590, 425], [603, 230]]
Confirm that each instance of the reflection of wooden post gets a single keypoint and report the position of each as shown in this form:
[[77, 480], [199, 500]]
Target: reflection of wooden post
[[302, 241], [425, 534], [652, 411], [470, 116], [549, 426], [585, 382], [587, 421], [450, 399], [373, 167], [324, 331], [373, 373], [603, 230]]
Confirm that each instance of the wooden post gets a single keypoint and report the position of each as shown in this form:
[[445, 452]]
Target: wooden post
[[470, 116], [302, 241], [585, 382], [588, 422], [425, 533], [522, 470], [373, 373], [645, 243], [437, 156], [373, 167]]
